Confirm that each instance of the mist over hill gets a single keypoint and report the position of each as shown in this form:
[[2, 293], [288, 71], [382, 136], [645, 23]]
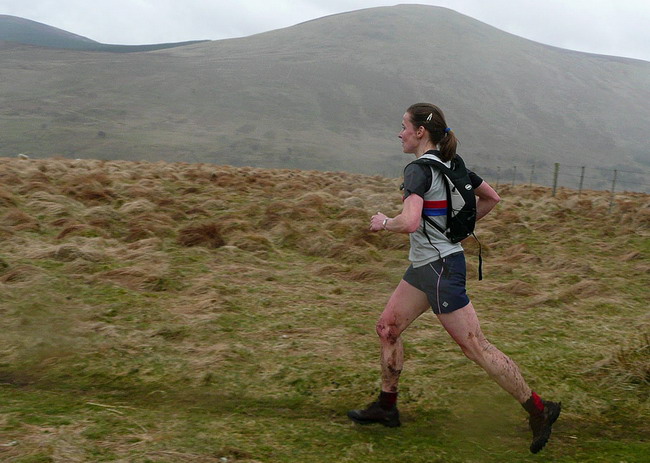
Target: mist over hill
[[329, 94]]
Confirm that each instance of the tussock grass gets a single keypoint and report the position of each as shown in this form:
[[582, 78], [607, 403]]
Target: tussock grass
[[629, 366], [6, 198], [191, 312], [207, 234]]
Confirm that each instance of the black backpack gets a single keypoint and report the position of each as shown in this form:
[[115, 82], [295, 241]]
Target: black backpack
[[461, 203]]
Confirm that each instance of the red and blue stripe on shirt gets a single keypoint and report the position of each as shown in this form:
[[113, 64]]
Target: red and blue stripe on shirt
[[435, 208]]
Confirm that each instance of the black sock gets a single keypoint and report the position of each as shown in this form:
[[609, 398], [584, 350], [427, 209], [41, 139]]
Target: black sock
[[387, 400]]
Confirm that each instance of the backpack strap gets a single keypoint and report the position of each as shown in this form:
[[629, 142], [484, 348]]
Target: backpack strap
[[442, 168], [480, 258], [430, 221], [480, 251]]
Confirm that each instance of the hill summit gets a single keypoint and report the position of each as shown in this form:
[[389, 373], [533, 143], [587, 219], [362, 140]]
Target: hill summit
[[329, 94]]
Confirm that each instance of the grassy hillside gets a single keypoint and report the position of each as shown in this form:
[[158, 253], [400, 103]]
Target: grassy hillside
[[166, 312], [329, 94]]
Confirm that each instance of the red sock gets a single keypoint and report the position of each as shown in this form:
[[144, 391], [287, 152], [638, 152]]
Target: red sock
[[534, 404], [387, 400]]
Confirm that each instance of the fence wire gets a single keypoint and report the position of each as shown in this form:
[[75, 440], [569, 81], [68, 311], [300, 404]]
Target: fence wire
[[567, 176]]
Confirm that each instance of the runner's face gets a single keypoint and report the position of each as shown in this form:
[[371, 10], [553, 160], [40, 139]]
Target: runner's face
[[408, 135]]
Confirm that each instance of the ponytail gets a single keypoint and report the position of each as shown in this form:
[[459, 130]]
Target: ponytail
[[448, 145], [432, 119]]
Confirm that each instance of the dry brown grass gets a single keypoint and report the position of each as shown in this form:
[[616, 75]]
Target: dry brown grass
[[146, 276], [256, 210], [268, 281], [628, 365], [6, 198], [318, 213], [207, 234]]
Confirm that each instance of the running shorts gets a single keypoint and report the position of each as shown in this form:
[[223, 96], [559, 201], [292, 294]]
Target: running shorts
[[443, 281]]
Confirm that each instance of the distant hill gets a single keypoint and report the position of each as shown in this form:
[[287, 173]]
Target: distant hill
[[25, 31], [329, 94]]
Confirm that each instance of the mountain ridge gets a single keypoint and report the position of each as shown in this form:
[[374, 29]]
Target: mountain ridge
[[24, 31], [329, 94]]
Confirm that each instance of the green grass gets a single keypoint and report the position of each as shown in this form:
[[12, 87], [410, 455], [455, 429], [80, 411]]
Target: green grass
[[255, 355]]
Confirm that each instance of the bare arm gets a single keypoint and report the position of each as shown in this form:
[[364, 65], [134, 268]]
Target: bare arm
[[406, 221], [409, 219], [486, 199]]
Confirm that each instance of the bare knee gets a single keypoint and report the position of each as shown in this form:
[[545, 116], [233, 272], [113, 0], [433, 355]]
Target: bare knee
[[388, 332]]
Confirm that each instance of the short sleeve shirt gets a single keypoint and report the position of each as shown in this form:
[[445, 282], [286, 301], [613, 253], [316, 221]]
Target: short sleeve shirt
[[427, 243], [418, 177]]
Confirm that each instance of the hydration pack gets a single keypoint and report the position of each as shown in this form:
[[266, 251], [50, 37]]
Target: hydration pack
[[461, 203]]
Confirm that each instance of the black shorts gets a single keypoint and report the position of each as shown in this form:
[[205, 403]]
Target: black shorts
[[443, 281]]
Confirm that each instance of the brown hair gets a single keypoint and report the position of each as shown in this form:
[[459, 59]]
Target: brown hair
[[432, 119]]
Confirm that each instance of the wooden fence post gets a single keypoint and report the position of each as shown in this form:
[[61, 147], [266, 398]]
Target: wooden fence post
[[532, 174], [611, 202], [555, 175], [582, 179]]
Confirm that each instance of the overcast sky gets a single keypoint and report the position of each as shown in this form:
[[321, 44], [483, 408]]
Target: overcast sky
[[612, 27]]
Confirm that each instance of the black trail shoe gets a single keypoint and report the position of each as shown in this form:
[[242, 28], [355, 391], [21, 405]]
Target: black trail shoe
[[541, 424], [375, 414]]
